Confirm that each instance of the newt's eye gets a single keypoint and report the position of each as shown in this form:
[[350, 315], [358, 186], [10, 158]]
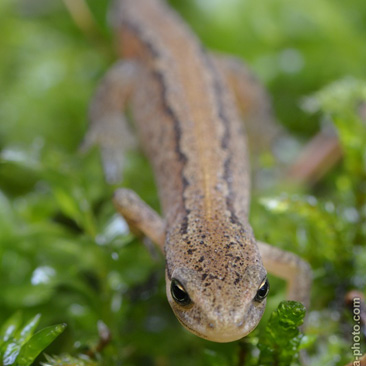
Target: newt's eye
[[262, 291], [179, 293]]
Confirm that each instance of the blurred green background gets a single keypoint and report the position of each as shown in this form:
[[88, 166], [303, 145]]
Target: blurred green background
[[64, 252]]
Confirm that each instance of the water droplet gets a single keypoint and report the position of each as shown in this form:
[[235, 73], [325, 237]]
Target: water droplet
[[42, 275], [291, 61]]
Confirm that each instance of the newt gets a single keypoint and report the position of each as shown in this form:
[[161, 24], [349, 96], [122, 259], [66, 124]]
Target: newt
[[187, 106]]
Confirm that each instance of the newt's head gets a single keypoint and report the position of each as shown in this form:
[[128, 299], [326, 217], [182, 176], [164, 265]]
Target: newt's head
[[216, 283]]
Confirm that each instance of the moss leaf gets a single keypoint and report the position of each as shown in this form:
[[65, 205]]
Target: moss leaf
[[281, 342], [38, 343]]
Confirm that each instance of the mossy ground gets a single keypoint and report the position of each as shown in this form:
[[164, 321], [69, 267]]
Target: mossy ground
[[65, 254]]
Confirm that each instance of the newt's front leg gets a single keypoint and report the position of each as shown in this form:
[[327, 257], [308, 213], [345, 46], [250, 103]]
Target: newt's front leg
[[290, 267], [139, 216]]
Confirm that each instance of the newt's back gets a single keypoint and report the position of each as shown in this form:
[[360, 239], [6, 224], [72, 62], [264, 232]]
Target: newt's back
[[206, 147]]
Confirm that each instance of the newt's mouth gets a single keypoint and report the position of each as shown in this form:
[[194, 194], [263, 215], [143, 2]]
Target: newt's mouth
[[224, 332], [222, 335]]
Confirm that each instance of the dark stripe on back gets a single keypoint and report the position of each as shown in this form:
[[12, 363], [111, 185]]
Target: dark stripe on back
[[159, 76]]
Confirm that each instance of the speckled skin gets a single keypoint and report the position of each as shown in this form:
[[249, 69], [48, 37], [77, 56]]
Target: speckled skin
[[189, 127]]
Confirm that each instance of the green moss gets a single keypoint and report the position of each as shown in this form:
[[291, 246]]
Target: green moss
[[65, 253]]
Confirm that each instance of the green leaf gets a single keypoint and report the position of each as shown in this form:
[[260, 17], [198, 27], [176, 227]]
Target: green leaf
[[291, 314], [281, 341], [11, 353], [38, 343], [15, 343], [27, 331], [7, 332], [10, 327]]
